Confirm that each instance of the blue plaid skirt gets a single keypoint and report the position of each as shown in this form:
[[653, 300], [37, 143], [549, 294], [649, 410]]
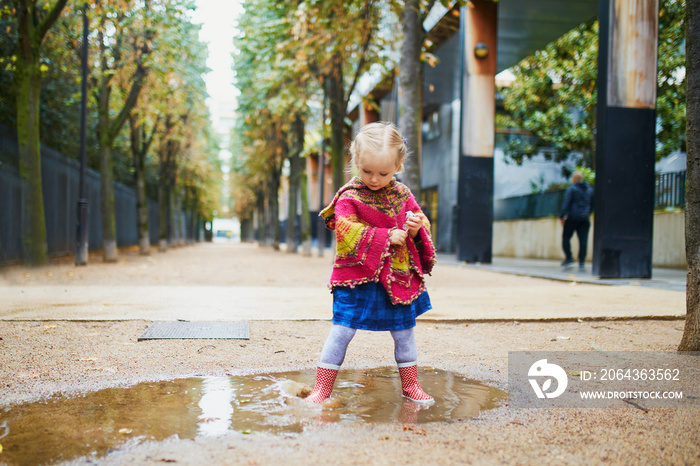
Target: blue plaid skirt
[[368, 307]]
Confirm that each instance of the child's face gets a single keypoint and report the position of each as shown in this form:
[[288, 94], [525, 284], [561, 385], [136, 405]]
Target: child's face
[[377, 171]]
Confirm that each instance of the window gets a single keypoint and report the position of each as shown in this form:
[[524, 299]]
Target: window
[[431, 125]]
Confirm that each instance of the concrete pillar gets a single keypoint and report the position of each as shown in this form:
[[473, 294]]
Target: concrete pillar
[[478, 108], [626, 134]]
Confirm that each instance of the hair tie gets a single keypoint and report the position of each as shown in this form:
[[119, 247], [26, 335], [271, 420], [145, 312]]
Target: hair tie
[[404, 141]]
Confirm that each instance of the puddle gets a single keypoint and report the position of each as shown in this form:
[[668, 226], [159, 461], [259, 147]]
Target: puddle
[[94, 424]]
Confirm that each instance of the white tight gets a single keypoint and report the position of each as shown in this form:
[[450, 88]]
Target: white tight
[[340, 336]]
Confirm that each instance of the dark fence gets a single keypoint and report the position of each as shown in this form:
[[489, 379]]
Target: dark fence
[[537, 205], [60, 178], [670, 190]]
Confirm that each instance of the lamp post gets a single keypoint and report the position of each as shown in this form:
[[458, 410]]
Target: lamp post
[[81, 251]]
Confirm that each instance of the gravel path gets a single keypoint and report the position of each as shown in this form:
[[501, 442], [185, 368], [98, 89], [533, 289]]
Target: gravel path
[[43, 358]]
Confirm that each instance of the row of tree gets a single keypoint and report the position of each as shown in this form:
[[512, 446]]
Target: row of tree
[[311, 52], [148, 124]]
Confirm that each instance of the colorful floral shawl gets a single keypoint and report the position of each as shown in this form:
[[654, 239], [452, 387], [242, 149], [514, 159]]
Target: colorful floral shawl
[[363, 221]]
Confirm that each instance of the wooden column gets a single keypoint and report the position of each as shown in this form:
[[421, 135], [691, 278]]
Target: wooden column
[[475, 179], [626, 135]]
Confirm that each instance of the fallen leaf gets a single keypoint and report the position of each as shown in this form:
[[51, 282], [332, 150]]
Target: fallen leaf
[[413, 429], [209, 419]]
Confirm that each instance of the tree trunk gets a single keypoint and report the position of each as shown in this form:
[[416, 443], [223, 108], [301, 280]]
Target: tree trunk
[[109, 128], [139, 149], [163, 198], [335, 92], [34, 246], [411, 87], [178, 218], [171, 199], [274, 203], [691, 334], [292, 207], [109, 224], [298, 135], [305, 215], [188, 215], [261, 233], [30, 34], [295, 164]]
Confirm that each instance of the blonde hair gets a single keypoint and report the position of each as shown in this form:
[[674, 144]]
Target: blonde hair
[[378, 138]]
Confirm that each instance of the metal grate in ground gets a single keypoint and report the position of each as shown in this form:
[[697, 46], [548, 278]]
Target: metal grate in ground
[[196, 330]]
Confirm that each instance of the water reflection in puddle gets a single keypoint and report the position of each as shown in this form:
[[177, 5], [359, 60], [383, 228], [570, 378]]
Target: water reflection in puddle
[[96, 423]]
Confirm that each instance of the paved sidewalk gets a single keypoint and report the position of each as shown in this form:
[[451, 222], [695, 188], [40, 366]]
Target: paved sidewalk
[[662, 278], [232, 281]]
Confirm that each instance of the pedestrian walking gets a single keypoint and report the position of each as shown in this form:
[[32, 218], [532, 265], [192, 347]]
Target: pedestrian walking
[[575, 212], [383, 249]]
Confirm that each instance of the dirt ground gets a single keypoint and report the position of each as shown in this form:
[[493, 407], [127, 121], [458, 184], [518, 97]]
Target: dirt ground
[[44, 358]]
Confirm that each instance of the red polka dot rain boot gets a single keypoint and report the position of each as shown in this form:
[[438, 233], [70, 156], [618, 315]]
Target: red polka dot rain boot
[[325, 378], [410, 386]]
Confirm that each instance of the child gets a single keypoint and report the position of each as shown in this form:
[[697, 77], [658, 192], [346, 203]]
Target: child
[[383, 250]]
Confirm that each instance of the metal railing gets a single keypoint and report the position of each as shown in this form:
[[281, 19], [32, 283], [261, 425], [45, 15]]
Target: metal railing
[[60, 188], [537, 205], [669, 193], [670, 190]]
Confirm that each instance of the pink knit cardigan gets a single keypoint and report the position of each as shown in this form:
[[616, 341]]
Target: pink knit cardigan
[[363, 221]]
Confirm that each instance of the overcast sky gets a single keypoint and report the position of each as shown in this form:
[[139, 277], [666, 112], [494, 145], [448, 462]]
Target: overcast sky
[[218, 18]]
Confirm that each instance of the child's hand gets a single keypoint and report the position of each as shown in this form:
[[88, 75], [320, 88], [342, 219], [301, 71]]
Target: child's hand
[[414, 223], [398, 237]]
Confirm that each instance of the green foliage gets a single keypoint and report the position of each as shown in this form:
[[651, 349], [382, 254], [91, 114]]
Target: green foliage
[[554, 96], [174, 85], [588, 174], [306, 45], [671, 99]]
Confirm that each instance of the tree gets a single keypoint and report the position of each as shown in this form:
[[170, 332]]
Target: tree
[[173, 87], [411, 88], [554, 97], [141, 141], [33, 22], [338, 56], [115, 64], [306, 48], [554, 94], [691, 334], [275, 87]]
